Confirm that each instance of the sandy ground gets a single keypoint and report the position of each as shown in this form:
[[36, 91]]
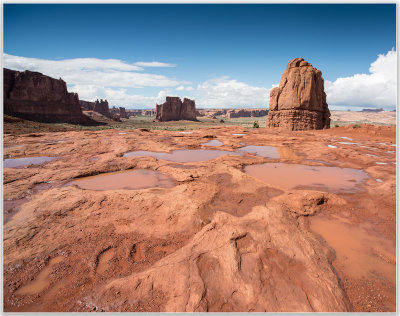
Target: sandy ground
[[217, 240], [346, 117]]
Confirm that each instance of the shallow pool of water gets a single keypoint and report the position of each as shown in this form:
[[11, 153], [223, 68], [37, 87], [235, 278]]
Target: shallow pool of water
[[186, 132], [296, 176], [359, 252], [238, 134], [213, 142], [41, 281], [183, 155], [20, 162], [332, 146], [125, 180]]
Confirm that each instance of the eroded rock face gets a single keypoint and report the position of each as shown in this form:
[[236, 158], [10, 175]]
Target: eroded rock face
[[34, 96], [246, 113], [102, 107], [299, 103], [173, 109]]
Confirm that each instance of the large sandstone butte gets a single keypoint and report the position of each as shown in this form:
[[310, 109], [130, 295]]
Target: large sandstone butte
[[173, 109], [299, 103], [38, 97]]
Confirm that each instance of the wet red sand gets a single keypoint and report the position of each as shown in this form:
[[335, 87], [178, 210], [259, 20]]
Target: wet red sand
[[218, 240]]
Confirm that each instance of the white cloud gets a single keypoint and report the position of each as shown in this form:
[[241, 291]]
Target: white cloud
[[182, 88], [375, 90], [225, 92], [153, 64], [92, 71]]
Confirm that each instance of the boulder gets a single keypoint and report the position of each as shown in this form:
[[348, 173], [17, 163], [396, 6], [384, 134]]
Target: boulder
[[173, 109], [34, 96], [299, 103]]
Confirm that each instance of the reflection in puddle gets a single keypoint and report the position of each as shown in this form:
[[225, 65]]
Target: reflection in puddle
[[122, 133], [125, 180], [183, 155], [19, 162], [348, 138], [186, 132], [378, 180], [104, 258], [293, 176], [287, 153], [358, 252], [271, 152], [381, 163], [238, 134], [213, 142], [348, 143], [41, 281], [332, 146]]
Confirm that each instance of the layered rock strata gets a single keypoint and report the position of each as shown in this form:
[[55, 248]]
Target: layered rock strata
[[299, 103], [34, 96]]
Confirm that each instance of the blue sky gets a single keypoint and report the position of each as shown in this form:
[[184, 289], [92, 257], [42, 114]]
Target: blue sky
[[227, 55]]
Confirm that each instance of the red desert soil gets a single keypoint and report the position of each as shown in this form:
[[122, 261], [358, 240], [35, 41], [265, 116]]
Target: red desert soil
[[207, 236]]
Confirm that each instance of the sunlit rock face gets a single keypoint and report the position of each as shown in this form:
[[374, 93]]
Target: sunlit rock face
[[299, 103]]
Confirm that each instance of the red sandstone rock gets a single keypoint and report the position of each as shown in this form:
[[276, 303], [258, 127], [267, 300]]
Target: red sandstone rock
[[102, 107], [35, 96], [173, 110], [299, 103], [246, 113]]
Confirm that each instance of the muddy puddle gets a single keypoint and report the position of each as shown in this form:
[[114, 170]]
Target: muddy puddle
[[213, 142], [183, 155], [42, 281], [125, 180], [296, 176], [104, 259], [271, 152], [359, 251], [20, 162]]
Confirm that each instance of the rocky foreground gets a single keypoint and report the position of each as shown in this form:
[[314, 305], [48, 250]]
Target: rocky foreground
[[218, 240]]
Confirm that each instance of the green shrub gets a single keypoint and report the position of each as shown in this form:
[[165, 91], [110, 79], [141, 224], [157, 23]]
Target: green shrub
[[255, 124], [356, 126], [336, 125]]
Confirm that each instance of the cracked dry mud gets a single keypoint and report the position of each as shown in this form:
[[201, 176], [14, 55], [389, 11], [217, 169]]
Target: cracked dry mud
[[217, 240]]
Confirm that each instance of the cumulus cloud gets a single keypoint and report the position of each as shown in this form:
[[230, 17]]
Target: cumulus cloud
[[93, 71], [225, 92], [183, 88], [375, 90], [153, 64]]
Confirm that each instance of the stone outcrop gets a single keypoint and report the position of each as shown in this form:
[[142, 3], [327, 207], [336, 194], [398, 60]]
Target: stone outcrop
[[102, 107], [122, 113], [299, 103], [119, 112], [173, 109], [86, 105], [34, 96], [246, 113]]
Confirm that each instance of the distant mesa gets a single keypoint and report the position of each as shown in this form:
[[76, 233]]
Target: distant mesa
[[372, 110], [299, 103], [34, 96], [118, 113], [246, 113], [99, 106], [173, 109]]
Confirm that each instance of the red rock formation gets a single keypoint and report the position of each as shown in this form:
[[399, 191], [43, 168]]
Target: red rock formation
[[34, 96], [299, 103], [246, 113], [173, 110], [122, 113], [87, 105], [102, 107]]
